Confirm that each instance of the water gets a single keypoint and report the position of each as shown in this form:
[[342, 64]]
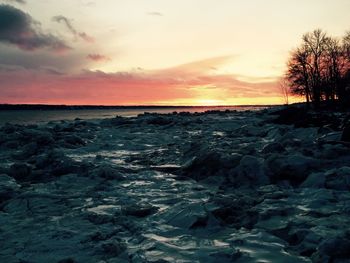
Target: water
[[42, 116]]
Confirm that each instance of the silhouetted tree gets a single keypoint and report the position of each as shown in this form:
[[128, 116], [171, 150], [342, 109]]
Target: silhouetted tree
[[284, 87], [297, 75], [320, 68]]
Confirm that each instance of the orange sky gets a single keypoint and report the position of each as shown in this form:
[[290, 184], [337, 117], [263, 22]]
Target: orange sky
[[155, 52]]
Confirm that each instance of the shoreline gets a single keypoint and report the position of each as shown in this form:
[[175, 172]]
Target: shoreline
[[221, 185]]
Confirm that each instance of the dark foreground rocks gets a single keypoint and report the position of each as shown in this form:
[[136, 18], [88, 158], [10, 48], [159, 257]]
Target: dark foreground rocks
[[204, 187]]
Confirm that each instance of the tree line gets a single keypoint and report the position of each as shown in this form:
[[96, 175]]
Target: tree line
[[319, 69]]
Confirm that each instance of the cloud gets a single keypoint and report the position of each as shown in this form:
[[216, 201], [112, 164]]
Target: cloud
[[154, 14], [19, 29], [185, 85], [68, 23], [97, 57], [17, 1]]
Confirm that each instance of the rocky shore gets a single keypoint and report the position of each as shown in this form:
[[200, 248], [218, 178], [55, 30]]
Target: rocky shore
[[219, 186]]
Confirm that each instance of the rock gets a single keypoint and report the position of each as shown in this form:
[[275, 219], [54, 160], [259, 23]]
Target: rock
[[294, 168], [41, 137], [159, 120], [338, 179], [251, 171], [138, 210], [67, 260], [9, 128], [20, 171], [8, 187], [202, 166], [109, 173], [346, 134], [99, 219], [117, 121], [237, 215], [301, 117], [74, 140], [208, 163], [113, 248], [332, 249], [191, 216], [315, 180], [273, 147]]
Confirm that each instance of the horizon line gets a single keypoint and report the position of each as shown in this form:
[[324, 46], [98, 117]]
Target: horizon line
[[135, 105]]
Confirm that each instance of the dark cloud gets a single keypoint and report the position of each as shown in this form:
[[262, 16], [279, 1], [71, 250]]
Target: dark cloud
[[19, 29], [68, 62], [97, 57], [68, 23], [154, 14]]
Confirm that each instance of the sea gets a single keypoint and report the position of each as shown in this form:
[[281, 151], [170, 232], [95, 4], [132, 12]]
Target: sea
[[36, 116]]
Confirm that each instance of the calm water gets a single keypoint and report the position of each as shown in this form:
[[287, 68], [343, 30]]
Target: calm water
[[40, 116]]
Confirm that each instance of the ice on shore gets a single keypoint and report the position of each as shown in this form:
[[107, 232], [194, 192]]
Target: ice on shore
[[203, 187]]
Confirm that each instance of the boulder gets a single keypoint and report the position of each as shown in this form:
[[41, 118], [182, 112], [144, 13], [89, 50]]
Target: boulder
[[315, 180], [20, 171], [338, 179], [138, 210], [273, 147], [251, 171], [108, 172], [346, 134], [8, 187], [336, 249], [294, 168]]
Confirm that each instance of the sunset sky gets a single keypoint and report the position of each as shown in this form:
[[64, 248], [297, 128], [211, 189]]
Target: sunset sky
[[154, 52]]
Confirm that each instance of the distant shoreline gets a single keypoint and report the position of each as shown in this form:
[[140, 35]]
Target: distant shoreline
[[105, 107]]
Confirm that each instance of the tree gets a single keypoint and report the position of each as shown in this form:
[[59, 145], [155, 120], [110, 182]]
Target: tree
[[320, 68], [315, 45], [297, 74], [284, 87]]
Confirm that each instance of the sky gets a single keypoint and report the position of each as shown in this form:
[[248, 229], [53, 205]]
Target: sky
[[154, 52]]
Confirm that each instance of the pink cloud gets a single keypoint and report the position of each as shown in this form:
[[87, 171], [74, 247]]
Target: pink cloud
[[97, 57], [127, 88]]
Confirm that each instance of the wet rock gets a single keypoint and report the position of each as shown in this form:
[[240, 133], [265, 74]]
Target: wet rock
[[294, 168], [9, 128], [113, 248], [315, 180], [335, 249], [159, 120], [237, 211], [301, 117], [251, 171], [346, 134], [8, 187], [209, 163], [138, 210], [74, 140], [273, 147], [41, 137], [117, 121], [99, 219], [67, 260], [28, 151], [20, 171], [191, 216], [230, 257], [338, 179], [109, 173]]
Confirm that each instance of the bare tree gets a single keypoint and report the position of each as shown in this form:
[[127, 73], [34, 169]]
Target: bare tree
[[320, 68], [346, 44], [332, 69], [298, 75], [284, 87], [315, 45]]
